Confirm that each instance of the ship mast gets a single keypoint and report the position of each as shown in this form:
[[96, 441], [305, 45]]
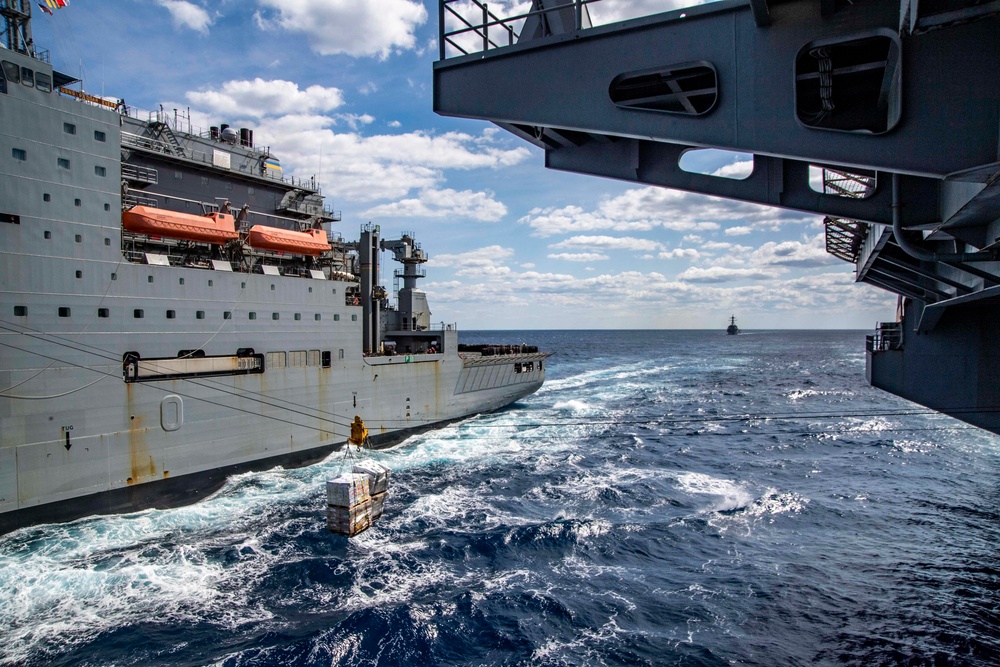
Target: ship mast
[[16, 34]]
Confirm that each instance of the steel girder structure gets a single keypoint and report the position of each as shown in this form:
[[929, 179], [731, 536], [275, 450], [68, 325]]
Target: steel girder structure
[[904, 95]]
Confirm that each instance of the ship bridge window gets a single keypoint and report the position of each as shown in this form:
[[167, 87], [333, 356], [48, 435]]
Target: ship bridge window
[[171, 314], [103, 312], [11, 71], [100, 136], [69, 128], [43, 82], [63, 163], [64, 312], [138, 313], [28, 77], [100, 171], [20, 311], [19, 154]]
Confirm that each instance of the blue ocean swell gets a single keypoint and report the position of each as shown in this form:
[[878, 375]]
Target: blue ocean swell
[[602, 521]]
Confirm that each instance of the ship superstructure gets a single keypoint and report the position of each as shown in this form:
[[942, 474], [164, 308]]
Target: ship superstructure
[[881, 115], [175, 308]]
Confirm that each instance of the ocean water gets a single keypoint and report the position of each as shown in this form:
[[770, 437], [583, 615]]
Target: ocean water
[[667, 498]]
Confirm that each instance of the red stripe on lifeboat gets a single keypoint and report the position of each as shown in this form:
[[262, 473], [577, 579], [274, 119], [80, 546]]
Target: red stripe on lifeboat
[[311, 242], [211, 228]]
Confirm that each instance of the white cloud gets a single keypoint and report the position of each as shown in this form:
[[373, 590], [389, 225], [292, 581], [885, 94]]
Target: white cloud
[[645, 209], [352, 27], [721, 274], [381, 167], [481, 262], [609, 242], [676, 253], [736, 170], [258, 98], [431, 203], [794, 253], [739, 230], [579, 256], [394, 123], [354, 121], [187, 14]]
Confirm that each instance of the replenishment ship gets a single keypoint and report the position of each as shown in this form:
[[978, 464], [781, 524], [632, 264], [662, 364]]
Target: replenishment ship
[[174, 309]]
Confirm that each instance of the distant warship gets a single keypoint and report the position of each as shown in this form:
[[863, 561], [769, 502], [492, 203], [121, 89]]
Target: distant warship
[[732, 329]]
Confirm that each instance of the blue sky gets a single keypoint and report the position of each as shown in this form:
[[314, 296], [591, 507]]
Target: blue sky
[[341, 89]]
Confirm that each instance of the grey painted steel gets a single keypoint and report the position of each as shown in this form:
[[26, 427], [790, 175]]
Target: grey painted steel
[[934, 211], [78, 294]]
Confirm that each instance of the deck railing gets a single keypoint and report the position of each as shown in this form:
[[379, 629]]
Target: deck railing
[[888, 336], [478, 22]]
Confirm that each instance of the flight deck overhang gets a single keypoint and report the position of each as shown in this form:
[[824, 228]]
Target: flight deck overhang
[[900, 96]]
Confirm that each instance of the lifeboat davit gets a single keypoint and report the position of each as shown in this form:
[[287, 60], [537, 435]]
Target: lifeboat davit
[[311, 242], [211, 228]]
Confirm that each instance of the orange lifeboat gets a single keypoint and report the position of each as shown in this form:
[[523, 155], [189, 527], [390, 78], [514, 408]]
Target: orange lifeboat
[[211, 228], [311, 242]]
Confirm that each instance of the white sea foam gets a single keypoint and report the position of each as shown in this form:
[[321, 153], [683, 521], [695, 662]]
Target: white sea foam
[[729, 495]]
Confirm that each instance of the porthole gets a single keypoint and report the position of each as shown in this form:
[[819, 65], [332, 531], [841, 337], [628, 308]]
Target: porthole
[[103, 312], [64, 312], [46, 197], [171, 314], [199, 314], [69, 128], [138, 313], [20, 311]]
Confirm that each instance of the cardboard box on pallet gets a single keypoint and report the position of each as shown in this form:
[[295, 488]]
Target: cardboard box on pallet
[[378, 473], [378, 502], [349, 520], [348, 490]]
